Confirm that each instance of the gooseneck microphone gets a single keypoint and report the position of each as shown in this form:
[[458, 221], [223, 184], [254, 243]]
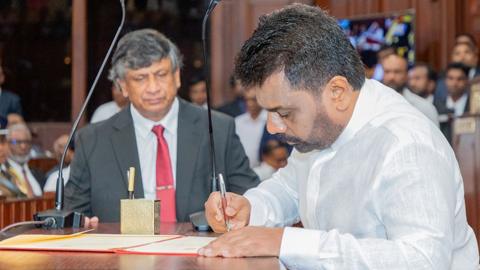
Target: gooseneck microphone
[[64, 218], [198, 219]]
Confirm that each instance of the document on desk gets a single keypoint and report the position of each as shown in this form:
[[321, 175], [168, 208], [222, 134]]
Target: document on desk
[[110, 243]]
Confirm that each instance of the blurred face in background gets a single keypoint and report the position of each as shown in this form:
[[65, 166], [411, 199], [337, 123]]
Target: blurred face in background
[[3, 149], [20, 143], [59, 146], [456, 82], [117, 96], [198, 93], [419, 82], [277, 158], [395, 72], [152, 89], [465, 54]]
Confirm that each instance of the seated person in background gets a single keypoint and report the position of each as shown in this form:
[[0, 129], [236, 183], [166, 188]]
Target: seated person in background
[[110, 108], [250, 127], [274, 157], [9, 102], [465, 53], [422, 81], [163, 137], [15, 118], [7, 186], [373, 181], [52, 175], [395, 75], [457, 102], [237, 106], [197, 91], [28, 180]]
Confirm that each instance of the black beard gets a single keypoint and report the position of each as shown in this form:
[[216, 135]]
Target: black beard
[[330, 133]]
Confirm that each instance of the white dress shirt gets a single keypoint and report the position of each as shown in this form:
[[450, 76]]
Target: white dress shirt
[[457, 106], [264, 171], [105, 111], [51, 183], [37, 191], [422, 105], [250, 132], [147, 146], [387, 194]]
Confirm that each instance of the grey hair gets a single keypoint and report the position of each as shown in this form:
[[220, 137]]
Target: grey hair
[[18, 127], [139, 49]]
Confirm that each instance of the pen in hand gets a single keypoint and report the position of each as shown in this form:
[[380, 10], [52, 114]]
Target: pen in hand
[[223, 193], [131, 182]]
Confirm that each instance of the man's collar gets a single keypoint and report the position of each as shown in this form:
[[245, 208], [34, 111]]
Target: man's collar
[[362, 114], [145, 125]]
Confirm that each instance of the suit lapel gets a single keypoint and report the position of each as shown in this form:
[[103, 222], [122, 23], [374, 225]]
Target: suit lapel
[[188, 144], [124, 145]]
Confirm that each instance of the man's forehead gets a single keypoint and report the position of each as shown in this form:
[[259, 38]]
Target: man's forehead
[[273, 92], [161, 64]]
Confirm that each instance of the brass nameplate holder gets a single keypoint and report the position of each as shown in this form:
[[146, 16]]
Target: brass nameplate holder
[[464, 125], [140, 216]]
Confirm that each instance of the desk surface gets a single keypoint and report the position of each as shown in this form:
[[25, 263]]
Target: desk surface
[[84, 260]]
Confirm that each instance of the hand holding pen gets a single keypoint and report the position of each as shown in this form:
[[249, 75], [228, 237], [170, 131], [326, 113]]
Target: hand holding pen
[[237, 211]]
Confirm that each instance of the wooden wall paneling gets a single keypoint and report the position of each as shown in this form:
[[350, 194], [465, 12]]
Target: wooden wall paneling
[[79, 55], [427, 31], [365, 7], [395, 5]]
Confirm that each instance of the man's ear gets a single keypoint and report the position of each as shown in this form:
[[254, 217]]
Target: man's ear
[[178, 82], [339, 92], [122, 85]]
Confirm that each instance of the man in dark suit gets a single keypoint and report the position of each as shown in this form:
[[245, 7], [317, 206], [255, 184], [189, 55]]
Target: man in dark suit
[[172, 164], [9, 102]]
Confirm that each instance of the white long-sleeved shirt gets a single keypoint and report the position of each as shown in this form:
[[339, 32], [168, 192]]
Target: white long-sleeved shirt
[[250, 132], [147, 146], [387, 194]]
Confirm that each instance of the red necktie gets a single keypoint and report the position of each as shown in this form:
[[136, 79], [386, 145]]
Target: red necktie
[[165, 189]]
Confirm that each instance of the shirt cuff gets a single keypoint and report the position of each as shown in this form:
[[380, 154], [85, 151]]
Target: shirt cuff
[[300, 244]]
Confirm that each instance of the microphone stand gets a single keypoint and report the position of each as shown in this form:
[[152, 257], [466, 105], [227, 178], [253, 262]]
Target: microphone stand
[[198, 219], [64, 218]]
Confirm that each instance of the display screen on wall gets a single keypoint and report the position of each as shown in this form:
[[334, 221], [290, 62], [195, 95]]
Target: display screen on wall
[[369, 34]]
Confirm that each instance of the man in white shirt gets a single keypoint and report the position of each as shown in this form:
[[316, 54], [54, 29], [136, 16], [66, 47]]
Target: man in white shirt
[[107, 110], [250, 126], [373, 181], [422, 81], [395, 70]]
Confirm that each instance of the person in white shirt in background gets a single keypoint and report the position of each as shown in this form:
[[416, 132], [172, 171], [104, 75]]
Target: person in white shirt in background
[[107, 110], [52, 176], [395, 75], [197, 91], [373, 181], [249, 127], [422, 80], [274, 156]]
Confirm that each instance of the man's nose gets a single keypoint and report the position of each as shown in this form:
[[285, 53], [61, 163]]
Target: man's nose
[[275, 123], [153, 84]]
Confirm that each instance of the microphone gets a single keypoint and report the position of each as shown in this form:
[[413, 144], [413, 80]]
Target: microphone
[[63, 218], [198, 219]]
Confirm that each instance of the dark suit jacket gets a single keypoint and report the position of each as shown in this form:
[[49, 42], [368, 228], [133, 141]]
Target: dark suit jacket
[[234, 108], [9, 103], [445, 113], [107, 149]]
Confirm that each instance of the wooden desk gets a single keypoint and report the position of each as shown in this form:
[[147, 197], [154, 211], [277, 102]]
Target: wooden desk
[[84, 260]]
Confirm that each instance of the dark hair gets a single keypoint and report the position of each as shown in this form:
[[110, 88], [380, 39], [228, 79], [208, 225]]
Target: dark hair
[[469, 36], [232, 81], [303, 41], [431, 74], [199, 77], [457, 65]]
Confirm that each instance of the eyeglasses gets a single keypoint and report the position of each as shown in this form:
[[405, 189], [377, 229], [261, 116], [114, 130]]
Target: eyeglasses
[[18, 142]]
